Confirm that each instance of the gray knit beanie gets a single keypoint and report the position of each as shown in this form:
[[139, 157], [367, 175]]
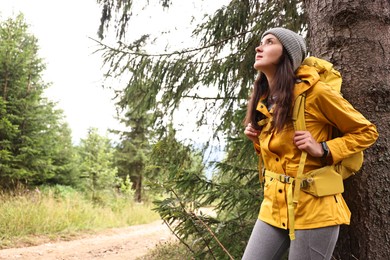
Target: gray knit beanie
[[293, 42]]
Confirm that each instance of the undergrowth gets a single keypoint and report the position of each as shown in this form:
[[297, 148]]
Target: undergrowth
[[60, 212], [171, 250]]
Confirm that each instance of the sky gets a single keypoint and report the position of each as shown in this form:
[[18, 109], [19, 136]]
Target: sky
[[63, 29]]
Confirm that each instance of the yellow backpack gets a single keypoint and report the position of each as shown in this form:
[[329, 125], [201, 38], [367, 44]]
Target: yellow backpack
[[348, 166]]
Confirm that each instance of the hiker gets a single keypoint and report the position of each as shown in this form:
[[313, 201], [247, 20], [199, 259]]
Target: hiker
[[291, 218]]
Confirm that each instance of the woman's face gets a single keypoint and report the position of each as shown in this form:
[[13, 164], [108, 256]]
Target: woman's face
[[268, 53]]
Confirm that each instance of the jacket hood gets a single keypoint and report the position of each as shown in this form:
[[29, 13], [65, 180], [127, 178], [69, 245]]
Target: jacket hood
[[307, 77]]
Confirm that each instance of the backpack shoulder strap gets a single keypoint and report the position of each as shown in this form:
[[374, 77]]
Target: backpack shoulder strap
[[298, 115], [298, 118]]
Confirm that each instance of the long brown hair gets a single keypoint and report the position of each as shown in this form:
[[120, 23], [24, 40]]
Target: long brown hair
[[283, 90]]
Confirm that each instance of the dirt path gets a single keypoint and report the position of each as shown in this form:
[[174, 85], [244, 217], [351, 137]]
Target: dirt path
[[114, 244]]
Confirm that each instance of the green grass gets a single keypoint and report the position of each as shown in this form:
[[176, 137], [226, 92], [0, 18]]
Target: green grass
[[56, 214]]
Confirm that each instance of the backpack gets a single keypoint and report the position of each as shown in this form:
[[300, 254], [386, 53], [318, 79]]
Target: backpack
[[348, 166]]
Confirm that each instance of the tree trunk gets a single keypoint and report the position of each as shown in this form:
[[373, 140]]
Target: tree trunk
[[138, 190], [137, 184], [355, 36]]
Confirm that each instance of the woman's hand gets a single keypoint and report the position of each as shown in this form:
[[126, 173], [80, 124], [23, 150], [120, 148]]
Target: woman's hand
[[252, 133], [305, 142]]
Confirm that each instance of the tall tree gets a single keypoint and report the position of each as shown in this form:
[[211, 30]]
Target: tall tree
[[30, 123], [64, 157], [132, 151], [355, 36], [97, 168]]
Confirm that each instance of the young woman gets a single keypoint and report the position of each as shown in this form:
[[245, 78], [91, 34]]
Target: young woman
[[269, 125]]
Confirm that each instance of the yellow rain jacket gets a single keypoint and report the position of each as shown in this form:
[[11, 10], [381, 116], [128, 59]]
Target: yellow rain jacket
[[324, 108]]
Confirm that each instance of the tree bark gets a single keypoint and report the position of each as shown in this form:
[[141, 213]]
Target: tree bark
[[355, 36], [137, 183]]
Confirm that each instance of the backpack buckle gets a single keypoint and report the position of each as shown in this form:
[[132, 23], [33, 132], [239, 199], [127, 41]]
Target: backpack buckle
[[306, 182], [285, 178]]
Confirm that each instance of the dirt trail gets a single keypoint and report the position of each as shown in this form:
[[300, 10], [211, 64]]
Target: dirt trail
[[114, 244]]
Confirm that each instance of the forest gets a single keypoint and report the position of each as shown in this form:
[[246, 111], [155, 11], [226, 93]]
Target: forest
[[214, 77]]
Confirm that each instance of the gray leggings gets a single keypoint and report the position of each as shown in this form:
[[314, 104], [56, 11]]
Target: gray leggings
[[271, 243]]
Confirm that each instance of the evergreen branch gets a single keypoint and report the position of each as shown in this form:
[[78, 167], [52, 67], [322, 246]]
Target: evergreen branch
[[181, 240], [184, 51], [213, 235], [209, 98], [188, 214]]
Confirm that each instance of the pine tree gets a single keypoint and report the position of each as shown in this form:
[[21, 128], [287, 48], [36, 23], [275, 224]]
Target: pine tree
[[132, 151], [30, 123], [97, 170], [64, 157]]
